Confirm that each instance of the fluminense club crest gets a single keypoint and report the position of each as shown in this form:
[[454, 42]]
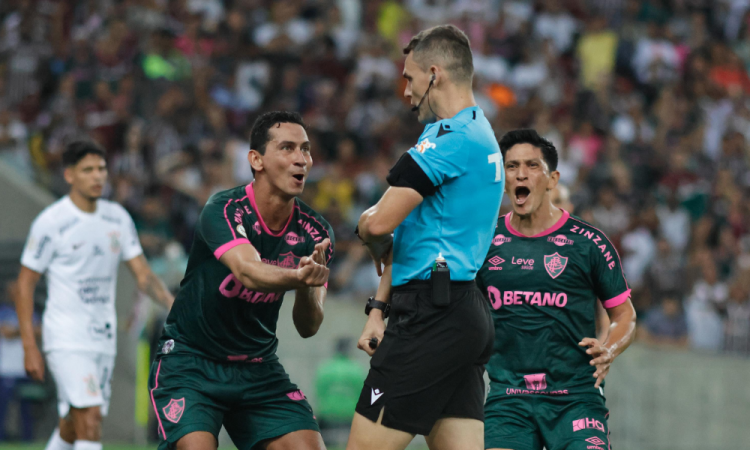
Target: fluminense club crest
[[555, 264], [173, 411]]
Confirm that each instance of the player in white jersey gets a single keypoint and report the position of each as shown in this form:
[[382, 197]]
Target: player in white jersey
[[79, 242]]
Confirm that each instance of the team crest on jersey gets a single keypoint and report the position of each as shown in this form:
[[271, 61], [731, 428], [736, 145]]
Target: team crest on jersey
[[288, 260], [424, 146], [114, 241], [173, 411], [555, 264]]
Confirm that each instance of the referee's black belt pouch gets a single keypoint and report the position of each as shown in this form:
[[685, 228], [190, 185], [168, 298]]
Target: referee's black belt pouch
[[426, 285]]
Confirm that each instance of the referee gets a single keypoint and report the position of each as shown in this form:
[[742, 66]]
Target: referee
[[426, 374]]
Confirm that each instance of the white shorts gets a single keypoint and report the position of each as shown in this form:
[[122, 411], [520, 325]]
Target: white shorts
[[83, 379]]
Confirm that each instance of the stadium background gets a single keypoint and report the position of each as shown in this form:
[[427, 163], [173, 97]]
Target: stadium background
[[647, 101]]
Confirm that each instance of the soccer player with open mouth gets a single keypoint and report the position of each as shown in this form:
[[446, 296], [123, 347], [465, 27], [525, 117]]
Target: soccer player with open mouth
[[543, 275]]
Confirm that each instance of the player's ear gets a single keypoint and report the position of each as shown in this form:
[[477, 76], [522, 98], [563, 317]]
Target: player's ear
[[255, 159], [68, 174], [554, 178]]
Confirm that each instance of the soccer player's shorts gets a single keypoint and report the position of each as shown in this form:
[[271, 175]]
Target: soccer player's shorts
[[254, 401], [430, 363], [533, 422], [83, 379]]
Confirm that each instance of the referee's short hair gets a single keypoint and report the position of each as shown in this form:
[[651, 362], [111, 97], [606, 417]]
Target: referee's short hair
[[530, 136], [77, 150], [447, 46]]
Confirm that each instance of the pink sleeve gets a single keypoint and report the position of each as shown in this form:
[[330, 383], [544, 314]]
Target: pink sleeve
[[616, 301], [229, 245]]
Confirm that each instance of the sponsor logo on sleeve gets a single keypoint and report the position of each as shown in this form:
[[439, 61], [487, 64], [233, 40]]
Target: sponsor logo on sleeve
[[555, 264], [598, 241], [424, 146], [173, 411], [256, 227], [40, 248], [91, 388], [241, 230]]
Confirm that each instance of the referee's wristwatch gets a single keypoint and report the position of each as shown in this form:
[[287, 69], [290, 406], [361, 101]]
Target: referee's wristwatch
[[377, 304]]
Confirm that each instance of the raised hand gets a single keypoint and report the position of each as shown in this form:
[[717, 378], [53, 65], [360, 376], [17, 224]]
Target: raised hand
[[311, 273]]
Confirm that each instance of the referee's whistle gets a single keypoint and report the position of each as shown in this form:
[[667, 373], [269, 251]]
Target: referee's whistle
[[373, 343]]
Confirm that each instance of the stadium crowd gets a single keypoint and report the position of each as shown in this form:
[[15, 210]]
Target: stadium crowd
[[648, 103]]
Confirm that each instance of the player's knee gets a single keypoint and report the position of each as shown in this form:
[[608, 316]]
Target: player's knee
[[89, 424]]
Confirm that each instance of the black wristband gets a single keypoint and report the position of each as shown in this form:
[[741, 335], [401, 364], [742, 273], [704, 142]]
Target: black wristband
[[377, 304]]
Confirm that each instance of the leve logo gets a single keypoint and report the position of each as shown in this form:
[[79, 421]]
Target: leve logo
[[555, 264]]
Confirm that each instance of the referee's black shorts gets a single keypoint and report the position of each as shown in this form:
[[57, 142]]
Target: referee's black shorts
[[430, 363]]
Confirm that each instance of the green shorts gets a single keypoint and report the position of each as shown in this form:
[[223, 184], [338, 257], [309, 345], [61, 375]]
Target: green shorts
[[254, 401], [533, 422]]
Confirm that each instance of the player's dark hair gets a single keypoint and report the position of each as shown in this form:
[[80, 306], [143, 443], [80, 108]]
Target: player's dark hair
[[77, 150], [447, 42], [530, 136], [259, 133]]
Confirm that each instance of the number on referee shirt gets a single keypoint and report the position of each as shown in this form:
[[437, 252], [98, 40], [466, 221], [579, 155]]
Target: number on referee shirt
[[497, 159]]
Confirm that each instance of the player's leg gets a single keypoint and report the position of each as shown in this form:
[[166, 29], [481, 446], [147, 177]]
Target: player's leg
[[456, 433], [461, 425], [273, 413], [509, 424], [182, 389], [63, 436], [301, 439], [369, 435], [78, 377], [87, 423], [574, 422]]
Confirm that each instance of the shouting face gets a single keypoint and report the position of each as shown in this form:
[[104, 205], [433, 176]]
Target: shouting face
[[528, 178]]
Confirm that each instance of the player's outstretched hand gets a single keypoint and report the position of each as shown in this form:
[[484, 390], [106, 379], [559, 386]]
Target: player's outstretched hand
[[602, 358], [310, 273], [34, 363], [319, 254]]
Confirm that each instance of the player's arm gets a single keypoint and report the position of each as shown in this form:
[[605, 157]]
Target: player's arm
[[149, 283], [24, 299], [602, 322], [621, 334], [246, 265], [307, 313], [377, 223]]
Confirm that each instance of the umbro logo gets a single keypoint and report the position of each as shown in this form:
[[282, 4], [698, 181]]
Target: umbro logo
[[98, 251], [375, 395], [78, 245]]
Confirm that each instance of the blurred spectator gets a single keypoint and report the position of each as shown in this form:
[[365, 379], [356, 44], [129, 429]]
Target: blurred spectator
[[665, 324], [738, 317], [338, 383], [705, 307]]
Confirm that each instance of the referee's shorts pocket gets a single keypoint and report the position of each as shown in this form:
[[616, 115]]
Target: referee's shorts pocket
[[404, 311]]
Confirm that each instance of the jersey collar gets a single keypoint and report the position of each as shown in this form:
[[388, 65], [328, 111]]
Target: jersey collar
[[564, 218], [251, 196]]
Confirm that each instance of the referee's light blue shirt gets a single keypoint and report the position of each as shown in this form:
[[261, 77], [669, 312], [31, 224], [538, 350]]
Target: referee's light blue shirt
[[462, 157]]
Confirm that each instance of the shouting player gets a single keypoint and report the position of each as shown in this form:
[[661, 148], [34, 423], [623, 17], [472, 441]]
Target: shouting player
[[217, 363], [543, 275], [79, 242]]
